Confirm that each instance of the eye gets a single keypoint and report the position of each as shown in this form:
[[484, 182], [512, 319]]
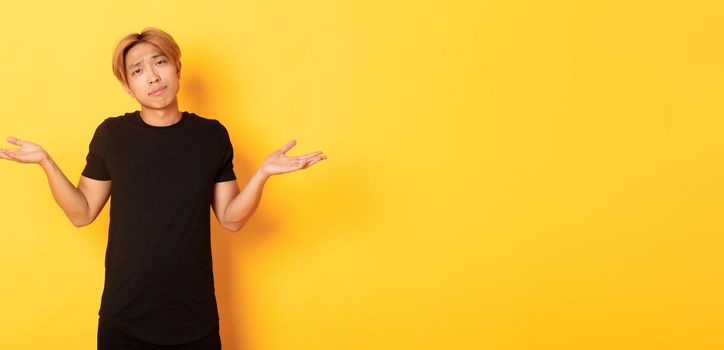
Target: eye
[[135, 71], [164, 61]]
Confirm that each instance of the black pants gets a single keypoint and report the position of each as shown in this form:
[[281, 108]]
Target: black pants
[[112, 338]]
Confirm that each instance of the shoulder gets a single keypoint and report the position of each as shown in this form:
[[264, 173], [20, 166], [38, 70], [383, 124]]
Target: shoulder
[[112, 125], [103, 126], [203, 120], [114, 121], [210, 124]]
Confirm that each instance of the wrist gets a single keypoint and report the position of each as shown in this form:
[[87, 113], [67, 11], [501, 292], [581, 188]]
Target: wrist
[[261, 174], [46, 162]]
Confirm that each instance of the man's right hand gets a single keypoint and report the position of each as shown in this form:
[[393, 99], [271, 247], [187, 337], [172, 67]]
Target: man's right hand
[[27, 153], [82, 203]]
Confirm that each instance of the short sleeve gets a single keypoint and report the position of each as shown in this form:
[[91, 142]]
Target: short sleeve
[[95, 167], [226, 170]]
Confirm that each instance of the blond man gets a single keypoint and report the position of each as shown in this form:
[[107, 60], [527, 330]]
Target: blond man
[[161, 168]]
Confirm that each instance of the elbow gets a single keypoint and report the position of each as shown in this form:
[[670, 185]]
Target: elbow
[[78, 223], [233, 226]]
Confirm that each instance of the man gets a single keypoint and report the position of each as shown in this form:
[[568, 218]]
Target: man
[[166, 167]]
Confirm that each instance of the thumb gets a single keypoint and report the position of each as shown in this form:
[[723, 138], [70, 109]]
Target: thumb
[[15, 141], [288, 146]]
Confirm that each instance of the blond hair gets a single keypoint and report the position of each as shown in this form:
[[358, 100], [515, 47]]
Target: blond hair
[[152, 35]]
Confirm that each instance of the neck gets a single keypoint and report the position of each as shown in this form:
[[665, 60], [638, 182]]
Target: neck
[[162, 116]]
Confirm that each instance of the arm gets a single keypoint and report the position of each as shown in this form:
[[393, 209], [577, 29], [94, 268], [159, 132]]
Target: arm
[[233, 208], [81, 204]]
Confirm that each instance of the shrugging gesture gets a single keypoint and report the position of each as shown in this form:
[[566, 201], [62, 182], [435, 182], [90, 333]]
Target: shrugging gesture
[[279, 163]]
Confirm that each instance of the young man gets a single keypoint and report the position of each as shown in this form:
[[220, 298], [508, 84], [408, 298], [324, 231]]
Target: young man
[[166, 167]]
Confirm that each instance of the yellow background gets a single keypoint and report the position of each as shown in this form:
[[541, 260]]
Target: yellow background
[[501, 174]]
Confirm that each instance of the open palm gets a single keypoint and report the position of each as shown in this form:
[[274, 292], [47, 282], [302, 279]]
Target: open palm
[[278, 163], [27, 153]]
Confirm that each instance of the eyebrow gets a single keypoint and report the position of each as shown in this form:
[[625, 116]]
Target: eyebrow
[[139, 62]]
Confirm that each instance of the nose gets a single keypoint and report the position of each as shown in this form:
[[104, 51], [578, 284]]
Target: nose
[[153, 77]]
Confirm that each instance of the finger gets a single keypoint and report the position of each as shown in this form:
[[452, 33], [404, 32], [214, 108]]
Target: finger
[[4, 155], [315, 160], [309, 155], [10, 154], [15, 141], [288, 146]]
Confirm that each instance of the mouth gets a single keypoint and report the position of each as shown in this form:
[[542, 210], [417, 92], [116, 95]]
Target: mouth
[[157, 91]]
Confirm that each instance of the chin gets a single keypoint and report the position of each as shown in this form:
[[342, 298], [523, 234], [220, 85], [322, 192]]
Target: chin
[[157, 104]]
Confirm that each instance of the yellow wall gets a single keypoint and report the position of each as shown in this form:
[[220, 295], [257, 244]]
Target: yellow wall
[[501, 174]]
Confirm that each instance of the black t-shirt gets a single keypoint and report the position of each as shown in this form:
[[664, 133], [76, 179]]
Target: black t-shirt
[[159, 283]]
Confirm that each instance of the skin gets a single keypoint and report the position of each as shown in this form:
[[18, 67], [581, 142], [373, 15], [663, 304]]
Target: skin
[[82, 203]]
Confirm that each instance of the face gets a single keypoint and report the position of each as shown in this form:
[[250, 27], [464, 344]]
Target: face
[[147, 70]]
